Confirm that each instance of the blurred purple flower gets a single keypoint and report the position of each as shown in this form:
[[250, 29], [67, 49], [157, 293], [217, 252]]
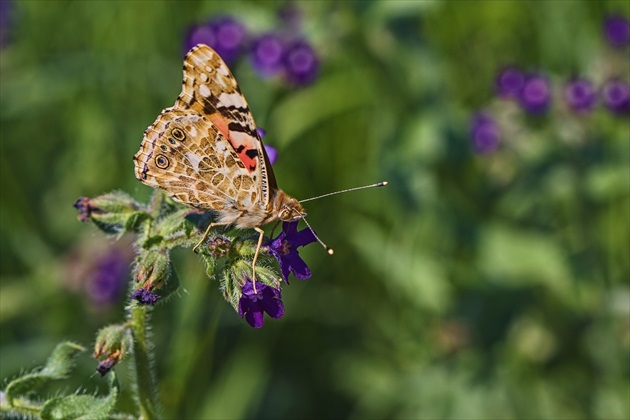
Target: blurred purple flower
[[284, 248], [580, 95], [616, 96], [225, 35], [509, 82], [267, 52], [484, 132], [109, 277], [535, 97], [301, 64], [255, 302], [617, 30], [6, 8], [145, 297], [272, 153], [291, 15]]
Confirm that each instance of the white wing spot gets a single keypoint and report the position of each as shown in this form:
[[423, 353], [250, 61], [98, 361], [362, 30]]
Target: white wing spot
[[203, 77], [204, 91], [223, 70], [232, 99], [194, 160]]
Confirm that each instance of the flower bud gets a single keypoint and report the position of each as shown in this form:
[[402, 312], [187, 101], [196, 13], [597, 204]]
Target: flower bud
[[151, 273], [111, 346], [112, 213]]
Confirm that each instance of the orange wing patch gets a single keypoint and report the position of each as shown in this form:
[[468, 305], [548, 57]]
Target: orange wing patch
[[244, 144]]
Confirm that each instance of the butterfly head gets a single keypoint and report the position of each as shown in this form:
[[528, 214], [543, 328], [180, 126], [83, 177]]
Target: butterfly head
[[285, 208], [291, 210]]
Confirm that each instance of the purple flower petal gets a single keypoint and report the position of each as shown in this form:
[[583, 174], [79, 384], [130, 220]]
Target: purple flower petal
[[109, 277], [284, 248], [509, 82], [267, 52], [484, 132], [145, 297], [253, 303], [272, 153], [291, 15], [201, 34], [301, 64], [617, 30], [580, 95], [225, 35], [616, 96], [535, 97]]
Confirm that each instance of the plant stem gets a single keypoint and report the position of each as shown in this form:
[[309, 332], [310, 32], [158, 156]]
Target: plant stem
[[144, 378]]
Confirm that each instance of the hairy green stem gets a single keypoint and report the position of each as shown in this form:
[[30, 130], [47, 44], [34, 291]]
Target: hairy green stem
[[144, 378]]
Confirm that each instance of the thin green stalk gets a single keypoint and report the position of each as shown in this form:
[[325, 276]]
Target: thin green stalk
[[144, 378]]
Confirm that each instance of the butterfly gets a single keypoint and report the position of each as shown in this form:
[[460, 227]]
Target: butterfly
[[205, 152]]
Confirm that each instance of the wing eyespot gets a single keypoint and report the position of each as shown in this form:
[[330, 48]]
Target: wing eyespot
[[162, 161], [178, 134]]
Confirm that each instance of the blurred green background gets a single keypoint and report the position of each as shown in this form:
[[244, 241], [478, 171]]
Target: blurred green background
[[473, 286]]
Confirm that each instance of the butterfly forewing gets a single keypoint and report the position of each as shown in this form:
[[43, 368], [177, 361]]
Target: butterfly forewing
[[210, 88]]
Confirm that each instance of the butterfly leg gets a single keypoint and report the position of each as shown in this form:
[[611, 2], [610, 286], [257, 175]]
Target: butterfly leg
[[260, 239], [205, 235]]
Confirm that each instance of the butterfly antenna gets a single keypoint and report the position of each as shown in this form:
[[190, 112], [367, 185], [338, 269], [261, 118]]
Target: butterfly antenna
[[378, 184], [326, 247]]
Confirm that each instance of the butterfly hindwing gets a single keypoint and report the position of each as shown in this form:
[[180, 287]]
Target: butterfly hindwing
[[186, 155]]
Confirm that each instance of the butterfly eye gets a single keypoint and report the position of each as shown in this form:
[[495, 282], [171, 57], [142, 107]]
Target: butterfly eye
[[161, 161], [178, 134]]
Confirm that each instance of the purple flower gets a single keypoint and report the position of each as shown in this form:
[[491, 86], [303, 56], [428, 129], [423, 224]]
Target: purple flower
[[272, 153], [484, 132], [267, 52], [535, 96], [105, 366], [6, 9], [109, 277], [580, 95], [291, 15], [617, 30], [284, 248], [301, 65], [225, 35], [85, 207], [509, 82], [145, 297], [255, 301], [616, 96]]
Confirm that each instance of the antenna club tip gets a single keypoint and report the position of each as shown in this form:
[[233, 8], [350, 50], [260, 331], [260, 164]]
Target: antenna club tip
[[330, 251], [382, 184]]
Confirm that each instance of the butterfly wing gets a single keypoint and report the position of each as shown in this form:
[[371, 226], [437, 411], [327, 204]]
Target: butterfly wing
[[210, 89], [184, 154]]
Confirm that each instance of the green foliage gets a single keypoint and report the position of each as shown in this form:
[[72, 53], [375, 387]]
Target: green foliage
[[473, 286], [20, 392]]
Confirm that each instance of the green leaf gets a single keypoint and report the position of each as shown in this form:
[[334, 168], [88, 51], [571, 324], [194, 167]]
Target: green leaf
[[515, 257], [172, 223], [57, 367], [83, 406]]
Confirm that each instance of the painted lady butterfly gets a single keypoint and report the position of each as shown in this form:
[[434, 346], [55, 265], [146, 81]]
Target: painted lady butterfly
[[205, 152]]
